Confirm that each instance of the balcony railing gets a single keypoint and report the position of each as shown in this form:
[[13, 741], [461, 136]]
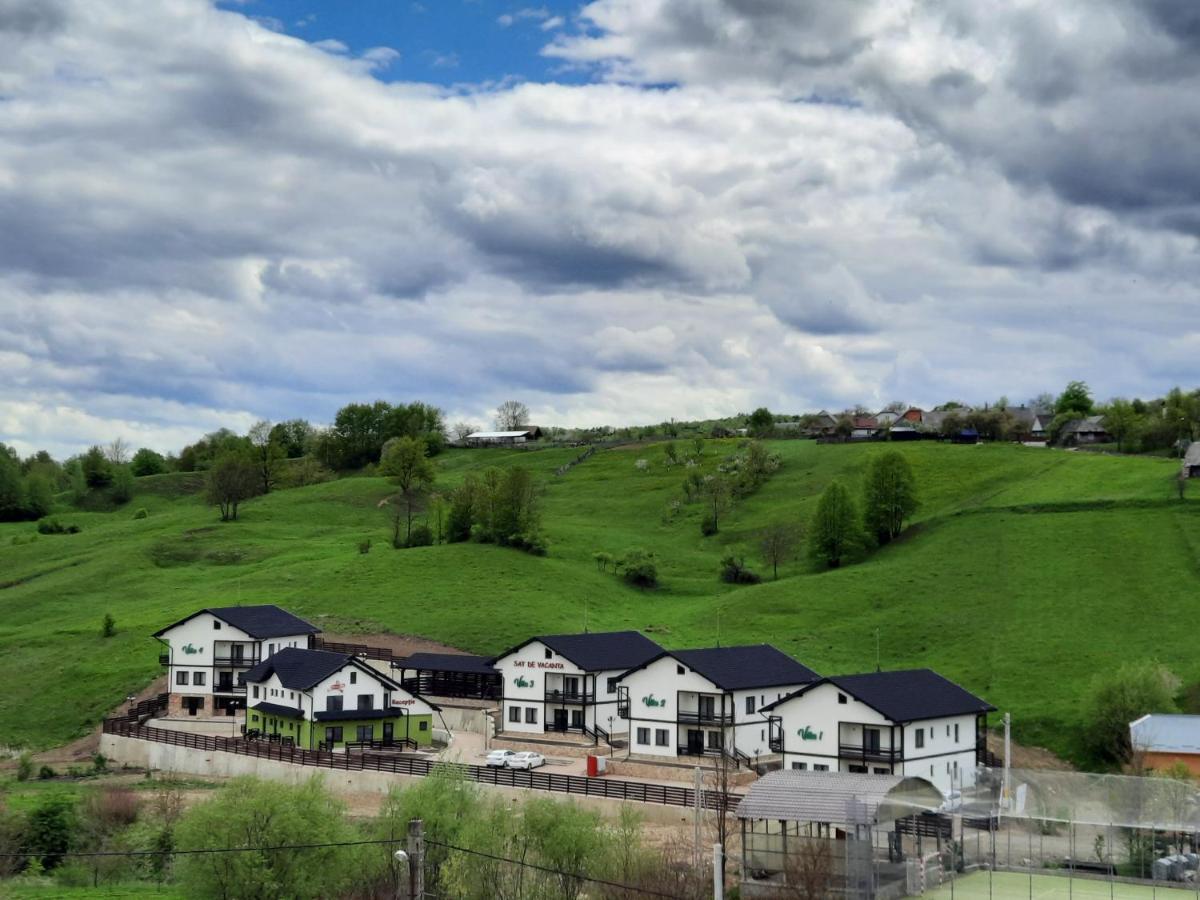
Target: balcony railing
[[222, 688], [623, 709], [569, 697], [700, 751], [164, 659], [870, 754], [239, 662], [775, 743], [700, 717]]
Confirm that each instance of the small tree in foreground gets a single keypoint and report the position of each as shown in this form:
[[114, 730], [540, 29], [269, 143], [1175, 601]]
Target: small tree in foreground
[[1122, 696], [835, 531], [889, 495], [777, 543]]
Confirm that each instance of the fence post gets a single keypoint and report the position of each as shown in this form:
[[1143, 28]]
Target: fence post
[[416, 859], [718, 881]]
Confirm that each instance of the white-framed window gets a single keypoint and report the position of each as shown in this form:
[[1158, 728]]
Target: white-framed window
[[820, 767], [643, 736], [216, 624], [181, 677], [514, 714], [198, 679], [354, 678], [842, 699], [612, 685], [531, 715], [956, 732], [662, 737], [255, 690], [750, 706], [919, 738]]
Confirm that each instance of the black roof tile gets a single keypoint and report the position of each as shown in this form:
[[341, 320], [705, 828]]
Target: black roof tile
[[264, 621], [742, 668], [907, 695], [298, 669], [598, 651], [450, 662], [276, 709]]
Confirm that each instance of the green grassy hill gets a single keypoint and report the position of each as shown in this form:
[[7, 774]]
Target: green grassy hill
[[1025, 573]]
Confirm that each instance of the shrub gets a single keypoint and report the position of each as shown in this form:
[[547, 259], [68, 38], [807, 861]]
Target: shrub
[[638, 568], [109, 628], [100, 762], [734, 571], [141, 513], [708, 525], [122, 485], [24, 767], [45, 773], [603, 560], [51, 824], [421, 536], [113, 808], [364, 547]]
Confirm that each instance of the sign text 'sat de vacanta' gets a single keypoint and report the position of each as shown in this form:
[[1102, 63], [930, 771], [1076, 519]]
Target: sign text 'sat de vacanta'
[[536, 664]]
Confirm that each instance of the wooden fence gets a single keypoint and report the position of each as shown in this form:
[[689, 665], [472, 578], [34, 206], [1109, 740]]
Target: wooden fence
[[611, 789]]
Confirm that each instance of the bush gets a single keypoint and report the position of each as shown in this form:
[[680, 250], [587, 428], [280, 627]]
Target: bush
[[141, 513], [53, 526], [637, 568], [421, 536], [100, 762], [734, 571], [113, 808], [122, 485], [109, 628], [708, 525], [364, 547], [51, 824], [24, 767], [45, 773]]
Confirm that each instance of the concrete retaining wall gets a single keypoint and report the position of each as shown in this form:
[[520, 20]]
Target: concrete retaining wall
[[474, 719], [216, 764]]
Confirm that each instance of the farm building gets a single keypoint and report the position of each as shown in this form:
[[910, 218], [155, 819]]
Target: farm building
[[324, 700], [910, 722], [519, 436], [568, 682], [1191, 461], [1165, 741], [706, 702], [208, 651], [1084, 431]]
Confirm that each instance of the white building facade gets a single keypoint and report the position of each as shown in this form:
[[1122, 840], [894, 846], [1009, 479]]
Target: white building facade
[[568, 683], [912, 722], [206, 653], [707, 702]]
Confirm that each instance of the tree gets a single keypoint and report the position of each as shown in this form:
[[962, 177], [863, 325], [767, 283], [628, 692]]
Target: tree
[[511, 415], [232, 479], [147, 462], [117, 451], [716, 493], [637, 567], [97, 470], [268, 454], [463, 509], [1076, 398], [889, 495], [1120, 420], [461, 430], [777, 543], [761, 422], [13, 501], [670, 454], [405, 461], [835, 531], [295, 436], [1043, 402], [122, 484], [39, 496], [252, 813], [1122, 696]]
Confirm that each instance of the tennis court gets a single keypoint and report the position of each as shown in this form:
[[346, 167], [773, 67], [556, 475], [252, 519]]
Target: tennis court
[[1013, 886]]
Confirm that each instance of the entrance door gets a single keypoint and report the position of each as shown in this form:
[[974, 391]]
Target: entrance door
[[577, 718], [225, 681], [570, 686], [871, 740], [388, 732], [560, 720], [695, 742], [193, 705], [237, 651], [708, 707]]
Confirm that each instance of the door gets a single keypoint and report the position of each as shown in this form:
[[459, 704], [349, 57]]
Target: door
[[708, 708], [225, 681], [695, 742], [237, 651], [193, 704], [871, 740], [388, 732], [570, 687], [560, 720], [577, 718]]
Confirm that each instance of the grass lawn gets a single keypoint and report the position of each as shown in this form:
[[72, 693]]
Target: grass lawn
[[20, 888], [1014, 886], [1026, 572]]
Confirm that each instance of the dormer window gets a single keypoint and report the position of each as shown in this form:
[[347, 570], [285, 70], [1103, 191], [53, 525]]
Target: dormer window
[[216, 624], [549, 654], [842, 698], [679, 670]]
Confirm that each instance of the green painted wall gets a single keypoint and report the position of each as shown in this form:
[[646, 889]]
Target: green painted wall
[[309, 735]]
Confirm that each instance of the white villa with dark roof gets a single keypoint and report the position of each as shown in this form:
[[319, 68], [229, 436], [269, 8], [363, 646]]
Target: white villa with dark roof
[[567, 682], [912, 722], [208, 651], [707, 702]]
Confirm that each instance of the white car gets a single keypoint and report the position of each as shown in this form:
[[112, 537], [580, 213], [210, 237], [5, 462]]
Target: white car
[[500, 758], [526, 760]]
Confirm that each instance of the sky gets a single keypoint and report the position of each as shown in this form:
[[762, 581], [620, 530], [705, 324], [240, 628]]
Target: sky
[[620, 211]]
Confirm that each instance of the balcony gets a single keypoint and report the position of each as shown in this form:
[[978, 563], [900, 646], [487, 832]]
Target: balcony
[[164, 659], [569, 697], [237, 689], [703, 717], [700, 751], [869, 754], [623, 708], [775, 743], [236, 662]]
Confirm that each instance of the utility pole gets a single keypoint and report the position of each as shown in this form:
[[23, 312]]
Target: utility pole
[[697, 791], [416, 859], [1005, 786], [718, 881]]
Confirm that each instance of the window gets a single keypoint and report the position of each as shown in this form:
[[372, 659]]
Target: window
[[859, 770], [920, 738], [662, 737], [679, 670], [270, 649], [531, 715], [366, 701], [749, 706], [715, 740], [181, 677], [820, 768], [422, 725], [255, 689], [366, 732], [198, 678], [842, 698], [956, 732], [947, 731], [354, 678], [333, 704], [800, 767], [216, 625], [514, 713], [291, 695], [612, 685], [333, 735], [881, 770], [643, 736], [549, 654]]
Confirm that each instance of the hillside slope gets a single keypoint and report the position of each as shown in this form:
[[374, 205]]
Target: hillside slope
[[1026, 572]]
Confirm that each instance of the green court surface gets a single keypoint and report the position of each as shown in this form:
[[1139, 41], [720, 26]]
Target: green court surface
[[1014, 885]]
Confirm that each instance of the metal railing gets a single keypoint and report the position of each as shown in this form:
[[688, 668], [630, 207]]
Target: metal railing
[[870, 754], [358, 650], [532, 779], [236, 662], [569, 697], [699, 717], [393, 744], [164, 659], [223, 688]]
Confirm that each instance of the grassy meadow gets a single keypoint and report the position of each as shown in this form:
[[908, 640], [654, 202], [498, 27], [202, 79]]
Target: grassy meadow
[[1026, 571]]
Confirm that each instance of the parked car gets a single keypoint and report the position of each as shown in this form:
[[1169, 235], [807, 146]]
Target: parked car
[[526, 760], [500, 758]]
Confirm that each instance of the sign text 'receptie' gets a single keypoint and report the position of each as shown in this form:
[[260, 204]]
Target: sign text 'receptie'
[[537, 664]]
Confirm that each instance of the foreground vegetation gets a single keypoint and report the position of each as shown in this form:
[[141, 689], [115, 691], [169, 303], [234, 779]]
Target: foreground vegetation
[[1024, 572]]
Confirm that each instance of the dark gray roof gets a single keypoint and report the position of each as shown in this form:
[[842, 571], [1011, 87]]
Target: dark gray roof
[[741, 668], [908, 695], [450, 662], [276, 709], [599, 651], [794, 796], [265, 621], [298, 669]]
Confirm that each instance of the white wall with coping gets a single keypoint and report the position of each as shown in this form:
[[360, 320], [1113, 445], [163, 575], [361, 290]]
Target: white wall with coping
[[215, 764]]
